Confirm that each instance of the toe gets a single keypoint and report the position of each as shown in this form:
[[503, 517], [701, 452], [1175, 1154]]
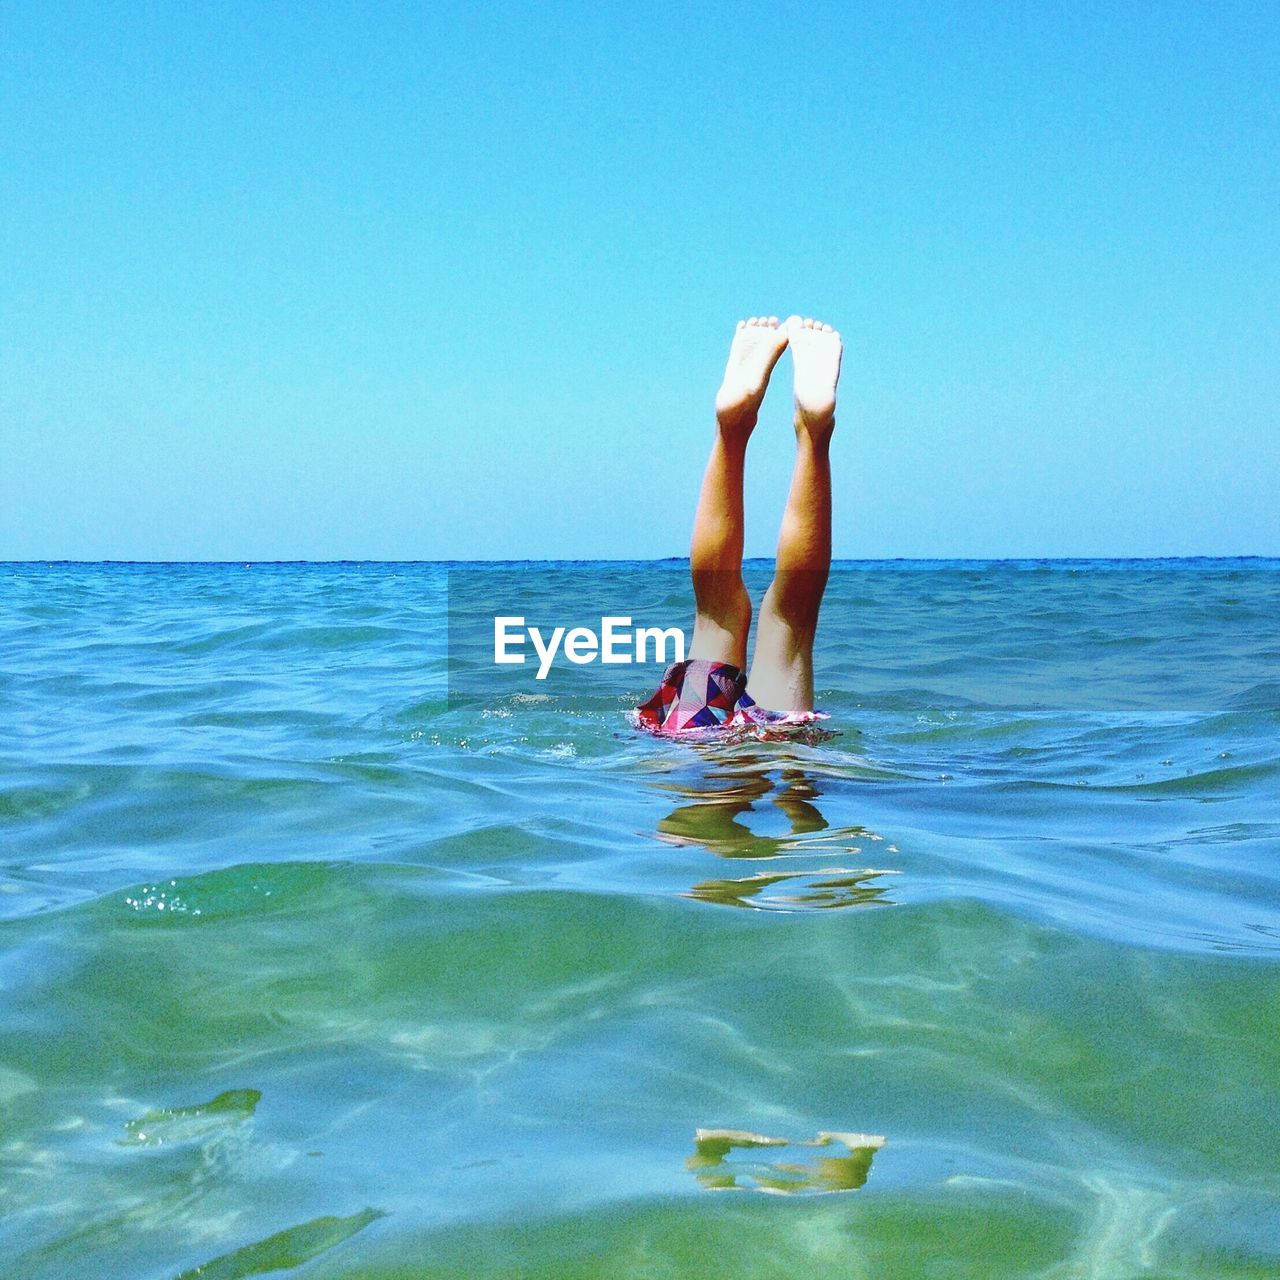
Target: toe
[[773, 322], [826, 328]]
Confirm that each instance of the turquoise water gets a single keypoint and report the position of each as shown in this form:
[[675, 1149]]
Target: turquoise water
[[311, 967]]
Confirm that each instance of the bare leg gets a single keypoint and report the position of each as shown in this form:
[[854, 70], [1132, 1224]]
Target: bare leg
[[715, 559], [782, 666]]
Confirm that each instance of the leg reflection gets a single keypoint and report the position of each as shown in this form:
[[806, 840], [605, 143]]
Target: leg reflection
[[741, 784], [845, 1168]]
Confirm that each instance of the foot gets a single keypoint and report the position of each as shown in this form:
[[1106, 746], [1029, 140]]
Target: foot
[[815, 353], [757, 344]]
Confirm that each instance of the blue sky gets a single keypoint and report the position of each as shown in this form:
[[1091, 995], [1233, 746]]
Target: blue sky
[[436, 280]]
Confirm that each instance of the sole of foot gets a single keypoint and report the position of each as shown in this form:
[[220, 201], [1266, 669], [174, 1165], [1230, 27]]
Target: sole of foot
[[757, 344], [816, 350]]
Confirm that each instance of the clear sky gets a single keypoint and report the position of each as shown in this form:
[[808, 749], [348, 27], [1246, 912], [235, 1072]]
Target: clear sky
[[390, 280]]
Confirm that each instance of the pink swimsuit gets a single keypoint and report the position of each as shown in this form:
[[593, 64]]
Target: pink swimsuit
[[701, 694]]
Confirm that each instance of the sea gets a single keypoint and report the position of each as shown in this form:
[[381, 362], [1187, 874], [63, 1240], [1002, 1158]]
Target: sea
[[329, 947]]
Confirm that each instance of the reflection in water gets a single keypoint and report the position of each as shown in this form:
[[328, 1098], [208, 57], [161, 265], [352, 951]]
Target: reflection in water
[[833, 887], [187, 1124], [285, 1250], [845, 1168], [738, 783], [179, 1165]]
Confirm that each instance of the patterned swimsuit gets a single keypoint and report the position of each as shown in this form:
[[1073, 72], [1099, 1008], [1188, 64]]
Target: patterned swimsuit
[[695, 694]]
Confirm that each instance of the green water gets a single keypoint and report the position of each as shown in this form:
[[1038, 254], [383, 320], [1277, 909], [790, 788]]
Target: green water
[[306, 972]]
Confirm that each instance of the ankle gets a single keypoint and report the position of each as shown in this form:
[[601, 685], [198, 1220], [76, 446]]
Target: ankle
[[815, 430]]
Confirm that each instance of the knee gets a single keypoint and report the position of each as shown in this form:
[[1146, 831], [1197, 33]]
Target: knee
[[722, 598], [730, 610], [795, 598]]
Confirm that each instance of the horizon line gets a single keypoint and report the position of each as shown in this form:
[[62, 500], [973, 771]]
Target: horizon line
[[659, 560]]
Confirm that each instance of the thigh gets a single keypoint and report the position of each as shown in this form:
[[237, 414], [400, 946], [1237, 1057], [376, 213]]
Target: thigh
[[781, 675], [714, 641], [722, 621]]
